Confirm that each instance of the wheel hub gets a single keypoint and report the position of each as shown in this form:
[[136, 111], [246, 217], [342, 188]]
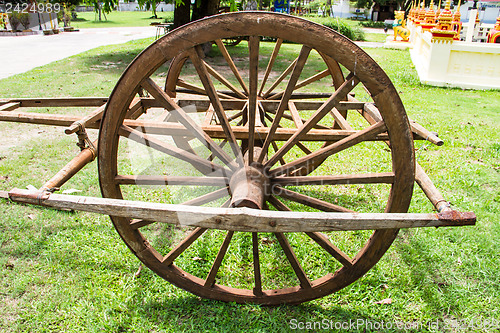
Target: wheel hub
[[249, 187]]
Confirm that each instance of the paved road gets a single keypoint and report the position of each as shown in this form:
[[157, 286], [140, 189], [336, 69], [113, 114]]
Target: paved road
[[22, 53]]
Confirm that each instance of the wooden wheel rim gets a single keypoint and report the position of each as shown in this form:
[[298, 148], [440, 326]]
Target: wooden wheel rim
[[286, 27]]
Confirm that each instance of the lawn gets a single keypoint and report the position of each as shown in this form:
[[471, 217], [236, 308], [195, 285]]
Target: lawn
[[119, 19], [71, 272]]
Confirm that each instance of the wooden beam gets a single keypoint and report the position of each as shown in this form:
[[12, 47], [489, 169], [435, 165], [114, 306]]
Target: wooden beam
[[10, 106], [60, 101], [242, 219]]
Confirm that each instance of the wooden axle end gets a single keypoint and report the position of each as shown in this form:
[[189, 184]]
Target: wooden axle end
[[454, 218]]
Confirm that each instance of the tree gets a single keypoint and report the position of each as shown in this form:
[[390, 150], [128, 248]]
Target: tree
[[200, 9], [102, 6], [150, 4]]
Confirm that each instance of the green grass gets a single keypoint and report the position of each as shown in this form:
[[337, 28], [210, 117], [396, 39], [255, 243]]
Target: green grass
[[71, 272], [119, 19], [374, 37]]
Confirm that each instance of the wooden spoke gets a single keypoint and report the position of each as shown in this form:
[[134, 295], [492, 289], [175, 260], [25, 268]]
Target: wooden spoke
[[280, 78], [324, 152], [201, 91], [182, 246], [295, 115], [274, 55], [257, 290], [290, 255], [253, 45], [261, 119], [297, 69], [231, 64], [332, 102], [318, 237], [222, 144], [209, 197], [171, 180], [304, 83], [194, 55], [304, 148], [275, 147], [223, 80], [235, 116], [209, 116], [340, 119], [209, 282], [139, 223], [226, 203], [334, 251], [369, 178], [147, 140], [185, 120], [307, 200]]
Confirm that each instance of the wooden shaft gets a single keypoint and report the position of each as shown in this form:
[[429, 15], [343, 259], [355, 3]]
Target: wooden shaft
[[425, 134], [83, 158], [242, 219], [432, 193]]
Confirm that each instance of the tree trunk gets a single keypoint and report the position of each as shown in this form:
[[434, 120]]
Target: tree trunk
[[181, 13], [203, 8]]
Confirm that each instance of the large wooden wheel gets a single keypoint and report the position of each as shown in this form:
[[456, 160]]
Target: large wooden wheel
[[224, 136]]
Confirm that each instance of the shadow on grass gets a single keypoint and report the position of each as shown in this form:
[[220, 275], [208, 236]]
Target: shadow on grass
[[111, 62], [196, 314]]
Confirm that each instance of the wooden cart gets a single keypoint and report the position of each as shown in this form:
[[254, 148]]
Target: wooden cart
[[268, 157]]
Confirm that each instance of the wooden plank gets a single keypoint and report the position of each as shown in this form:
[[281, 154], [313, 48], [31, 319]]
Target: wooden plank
[[173, 129], [270, 106], [60, 101], [243, 219]]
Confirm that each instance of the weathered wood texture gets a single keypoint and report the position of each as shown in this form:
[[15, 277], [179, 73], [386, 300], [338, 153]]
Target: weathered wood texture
[[242, 219]]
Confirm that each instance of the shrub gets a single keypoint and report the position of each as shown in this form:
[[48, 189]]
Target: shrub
[[342, 26], [14, 20], [24, 19], [372, 24]]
